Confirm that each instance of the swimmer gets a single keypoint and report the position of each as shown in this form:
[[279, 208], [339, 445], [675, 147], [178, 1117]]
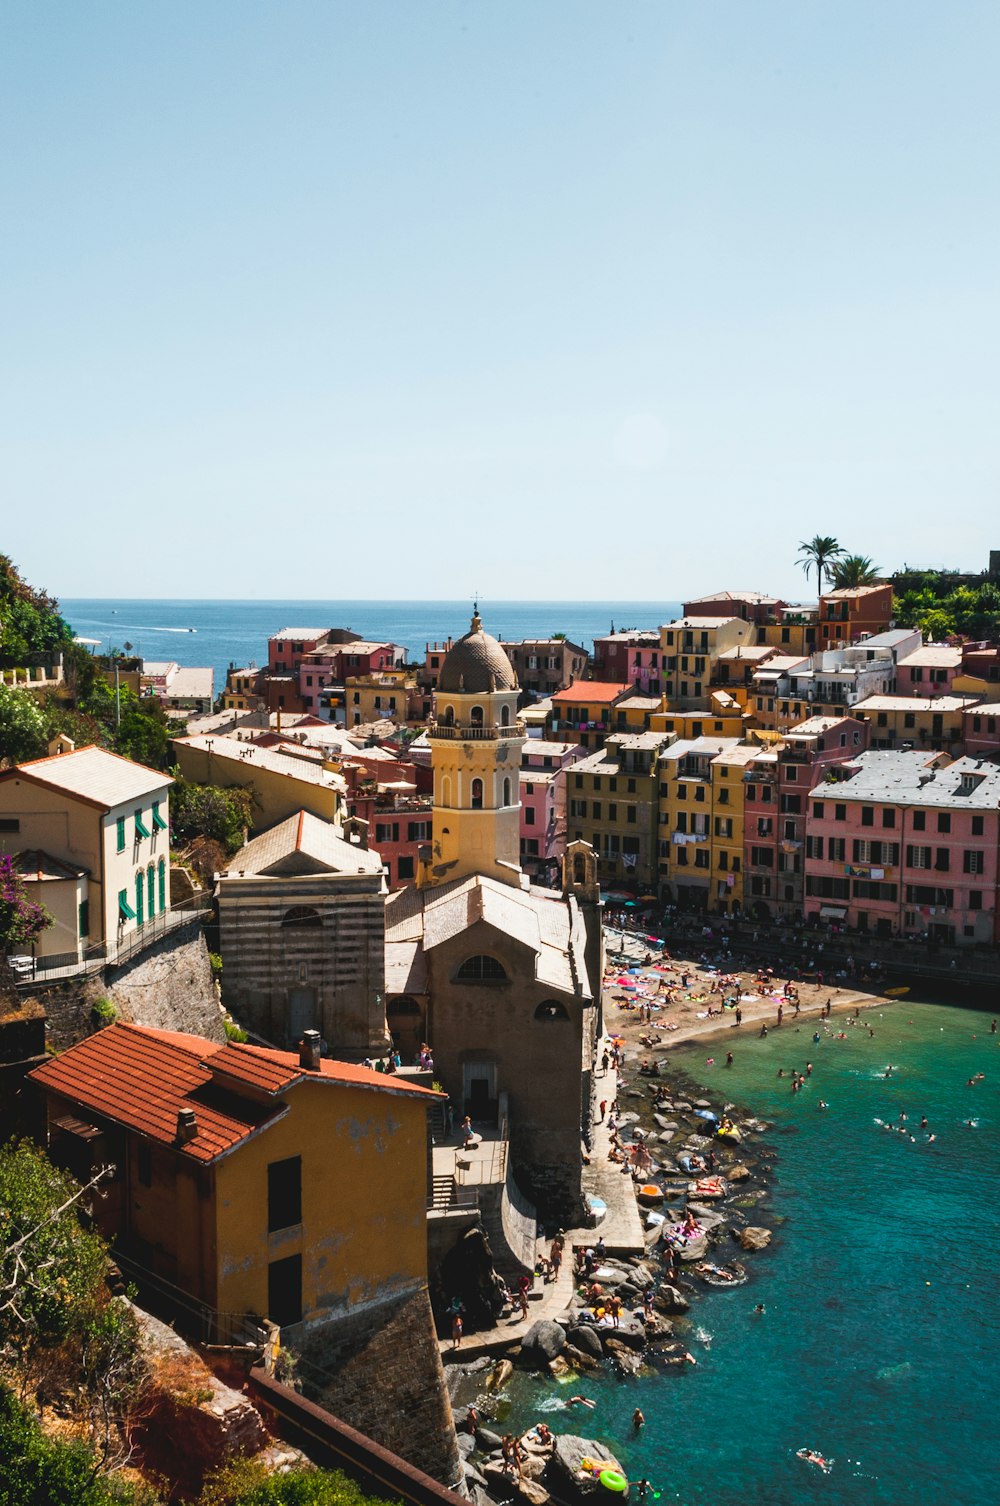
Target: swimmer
[[638, 1420], [823, 1104], [581, 1401], [759, 1310]]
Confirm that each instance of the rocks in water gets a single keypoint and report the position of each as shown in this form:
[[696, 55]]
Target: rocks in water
[[532, 1491], [663, 1122], [487, 1440], [702, 1103], [753, 1237], [546, 1338], [467, 1444], [630, 1360], [585, 1338], [695, 1249], [568, 1481], [680, 1107], [669, 1300], [697, 1142], [738, 1173], [499, 1375]]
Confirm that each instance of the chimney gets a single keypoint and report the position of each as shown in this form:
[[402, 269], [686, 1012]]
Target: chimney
[[310, 1050], [187, 1125]]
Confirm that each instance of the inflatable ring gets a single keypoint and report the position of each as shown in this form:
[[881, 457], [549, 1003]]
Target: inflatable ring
[[612, 1480]]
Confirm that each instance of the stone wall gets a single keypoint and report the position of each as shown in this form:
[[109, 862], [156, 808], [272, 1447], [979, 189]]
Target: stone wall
[[169, 986], [380, 1371]]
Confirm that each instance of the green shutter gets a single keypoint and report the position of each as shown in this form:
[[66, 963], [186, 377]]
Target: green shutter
[[158, 822], [121, 833], [125, 911], [151, 891], [139, 907], [140, 826], [163, 885]]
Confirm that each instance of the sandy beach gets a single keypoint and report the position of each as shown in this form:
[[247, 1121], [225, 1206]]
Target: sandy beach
[[680, 1015]]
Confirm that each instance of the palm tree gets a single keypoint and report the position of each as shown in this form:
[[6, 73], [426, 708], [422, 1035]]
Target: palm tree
[[854, 570], [817, 555]]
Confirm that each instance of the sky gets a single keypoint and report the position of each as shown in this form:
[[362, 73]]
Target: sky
[[554, 299]]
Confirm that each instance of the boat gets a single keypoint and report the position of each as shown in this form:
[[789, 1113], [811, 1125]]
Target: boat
[[896, 993]]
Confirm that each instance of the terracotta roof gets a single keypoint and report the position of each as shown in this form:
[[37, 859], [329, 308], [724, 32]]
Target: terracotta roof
[[590, 692], [319, 842], [93, 775], [139, 1077]]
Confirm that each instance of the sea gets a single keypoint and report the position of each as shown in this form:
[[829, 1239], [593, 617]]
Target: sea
[[220, 633], [880, 1339]]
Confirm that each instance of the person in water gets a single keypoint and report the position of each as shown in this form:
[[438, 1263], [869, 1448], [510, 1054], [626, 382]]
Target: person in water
[[638, 1420]]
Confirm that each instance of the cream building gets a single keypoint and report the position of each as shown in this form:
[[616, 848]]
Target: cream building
[[92, 832], [282, 782]]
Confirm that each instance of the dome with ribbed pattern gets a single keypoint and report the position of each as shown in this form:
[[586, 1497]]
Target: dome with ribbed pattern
[[476, 665]]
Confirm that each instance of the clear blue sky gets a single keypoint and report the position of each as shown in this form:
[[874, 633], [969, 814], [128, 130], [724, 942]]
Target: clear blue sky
[[551, 298]]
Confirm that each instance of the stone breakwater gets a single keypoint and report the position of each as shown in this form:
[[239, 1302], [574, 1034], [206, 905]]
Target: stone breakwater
[[704, 1197]]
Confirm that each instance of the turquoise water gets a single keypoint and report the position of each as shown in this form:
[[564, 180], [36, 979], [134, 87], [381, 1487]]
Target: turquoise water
[[879, 1344]]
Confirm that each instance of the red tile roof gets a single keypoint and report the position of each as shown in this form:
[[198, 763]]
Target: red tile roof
[[140, 1078], [591, 692]]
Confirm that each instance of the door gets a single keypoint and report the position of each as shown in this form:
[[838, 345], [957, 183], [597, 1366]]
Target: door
[[479, 1091], [301, 1013], [284, 1291]]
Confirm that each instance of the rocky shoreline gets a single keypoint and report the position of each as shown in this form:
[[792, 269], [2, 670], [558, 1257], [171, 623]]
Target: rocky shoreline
[[628, 1316]]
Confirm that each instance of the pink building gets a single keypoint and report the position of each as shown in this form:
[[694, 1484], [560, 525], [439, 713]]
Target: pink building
[[981, 729], [329, 665], [543, 805], [907, 846], [928, 670], [776, 805], [633, 657], [285, 650]]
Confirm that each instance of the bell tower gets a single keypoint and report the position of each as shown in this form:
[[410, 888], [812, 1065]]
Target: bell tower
[[476, 740]]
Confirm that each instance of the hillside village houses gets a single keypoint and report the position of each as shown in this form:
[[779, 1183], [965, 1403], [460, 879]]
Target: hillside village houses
[[89, 832]]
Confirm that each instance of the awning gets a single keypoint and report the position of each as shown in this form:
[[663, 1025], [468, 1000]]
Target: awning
[[158, 822], [140, 825], [125, 911], [833, 912]]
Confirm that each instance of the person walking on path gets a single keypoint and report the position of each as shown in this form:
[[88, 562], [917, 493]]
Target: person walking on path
[[555, 1256]]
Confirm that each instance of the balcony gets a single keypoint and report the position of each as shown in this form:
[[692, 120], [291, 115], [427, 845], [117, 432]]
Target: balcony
[[465, 732]]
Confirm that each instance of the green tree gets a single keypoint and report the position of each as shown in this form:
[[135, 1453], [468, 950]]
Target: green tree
[[853, 570], [247, 1482], [42, 1471], [22, 726], [208, 810], [30, 621], [818, 554]]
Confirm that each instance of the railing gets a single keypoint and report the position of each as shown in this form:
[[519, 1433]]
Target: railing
[[195, 1318], [105, 955], [465, 732]]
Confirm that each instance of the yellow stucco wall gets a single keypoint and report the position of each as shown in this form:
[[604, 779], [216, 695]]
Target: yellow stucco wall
[[277, 794], [363, 1230]]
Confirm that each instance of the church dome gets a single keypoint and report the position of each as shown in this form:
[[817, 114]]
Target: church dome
[[476, 665]]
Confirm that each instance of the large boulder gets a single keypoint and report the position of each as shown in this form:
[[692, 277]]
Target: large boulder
[[585, 1338], [629, 1360], [738, 1173], [568, 1481], [545, 1339], [670, 1300], [754, 1238]]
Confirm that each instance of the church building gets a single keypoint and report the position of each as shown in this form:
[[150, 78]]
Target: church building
[[501, 978]]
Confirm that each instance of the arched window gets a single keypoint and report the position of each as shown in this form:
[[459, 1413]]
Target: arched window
[[506, 792], [299, 917], [477, 794], [476, 716], [139, 910], [579, 869], [505, 716], [481, 969], [446, 791], [151, 891], [161, 875], [448, 716], [551, 1009]]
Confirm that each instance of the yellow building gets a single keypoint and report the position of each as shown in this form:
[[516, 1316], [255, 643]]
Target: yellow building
[[725, 893], [283, 783], [585, 711], [612, 803], [692, 647], [388, 695], [725, 718], [476, 737], [238, 1170], [924, 722]]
